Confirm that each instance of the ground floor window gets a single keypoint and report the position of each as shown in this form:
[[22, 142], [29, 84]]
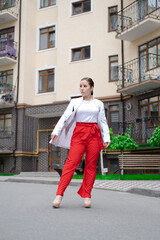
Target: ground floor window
[[5, 125], [114, 117]]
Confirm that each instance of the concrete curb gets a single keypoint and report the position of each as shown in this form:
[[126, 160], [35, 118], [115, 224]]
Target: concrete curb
[[145, 192], [76, 182]]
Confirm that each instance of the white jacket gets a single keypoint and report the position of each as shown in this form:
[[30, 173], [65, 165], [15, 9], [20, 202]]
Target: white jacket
[[66, 124]]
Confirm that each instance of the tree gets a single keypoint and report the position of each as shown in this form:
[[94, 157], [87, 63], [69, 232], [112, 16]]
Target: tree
[[122, 143], [154, 140]]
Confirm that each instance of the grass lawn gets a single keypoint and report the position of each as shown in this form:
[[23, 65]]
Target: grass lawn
[[8, 174], [123, 177]]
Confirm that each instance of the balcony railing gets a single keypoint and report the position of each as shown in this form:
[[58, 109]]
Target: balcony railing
[[138, 70], [10, 7], [7, 92], [8, 49], [135, 13], [142, 128]]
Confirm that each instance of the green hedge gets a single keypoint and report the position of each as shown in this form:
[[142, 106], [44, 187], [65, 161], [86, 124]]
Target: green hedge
[[123, 177]]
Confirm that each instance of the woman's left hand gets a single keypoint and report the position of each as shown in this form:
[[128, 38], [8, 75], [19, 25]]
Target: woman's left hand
[[106, 144]]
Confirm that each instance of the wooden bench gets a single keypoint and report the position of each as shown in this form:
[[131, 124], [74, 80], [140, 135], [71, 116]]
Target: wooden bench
[[139, 161]]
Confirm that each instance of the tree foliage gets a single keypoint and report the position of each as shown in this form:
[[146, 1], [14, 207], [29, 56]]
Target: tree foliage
[[122, 142], [154, 140]]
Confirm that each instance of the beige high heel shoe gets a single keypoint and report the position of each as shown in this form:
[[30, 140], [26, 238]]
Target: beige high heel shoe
[[87, 202], [57, 201]]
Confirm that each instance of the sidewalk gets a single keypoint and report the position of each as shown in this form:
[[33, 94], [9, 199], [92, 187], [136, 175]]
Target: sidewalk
[[147, 188]]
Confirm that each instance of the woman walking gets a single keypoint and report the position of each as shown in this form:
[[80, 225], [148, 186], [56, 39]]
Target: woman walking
[[82, 128]]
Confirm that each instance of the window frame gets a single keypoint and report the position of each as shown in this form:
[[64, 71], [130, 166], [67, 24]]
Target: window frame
[[1, 9], [81, 13], [4, 119], [148, 104], [80, 47], [110, 62], [37, 93], [45, 8], [6, 75], [110, 111], [38, 37], [109, 18]]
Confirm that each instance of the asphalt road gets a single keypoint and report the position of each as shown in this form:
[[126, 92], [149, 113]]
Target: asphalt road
[[26, 214]]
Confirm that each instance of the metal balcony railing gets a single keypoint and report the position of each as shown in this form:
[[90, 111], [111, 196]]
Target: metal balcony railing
[[10, 6], [145, 67], [137, 12], [8, 49], [8, 91], [142, 128]]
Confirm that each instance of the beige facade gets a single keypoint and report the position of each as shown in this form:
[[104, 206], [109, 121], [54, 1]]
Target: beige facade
[[56, 43], [90, 28]]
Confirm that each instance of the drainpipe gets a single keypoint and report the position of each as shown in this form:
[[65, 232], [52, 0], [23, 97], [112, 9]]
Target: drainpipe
[[17, 94], [122, 54]]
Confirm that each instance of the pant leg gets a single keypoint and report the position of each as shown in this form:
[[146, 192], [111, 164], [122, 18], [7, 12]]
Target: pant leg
[[92, 153], [74, 157]]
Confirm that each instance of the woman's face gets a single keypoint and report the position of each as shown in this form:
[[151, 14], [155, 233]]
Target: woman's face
[[85, 88]]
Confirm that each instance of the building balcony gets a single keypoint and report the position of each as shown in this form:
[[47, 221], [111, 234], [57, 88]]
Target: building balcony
[[140, 75], [8, 11], [138, 19], [7, 92], [8, 52]]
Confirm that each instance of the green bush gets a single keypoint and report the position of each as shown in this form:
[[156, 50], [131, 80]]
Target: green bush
[[154, 141]]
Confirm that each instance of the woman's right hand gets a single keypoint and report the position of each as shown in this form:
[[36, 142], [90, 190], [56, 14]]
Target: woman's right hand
[[53, 137]]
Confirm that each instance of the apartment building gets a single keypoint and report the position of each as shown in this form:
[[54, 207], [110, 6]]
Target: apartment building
[[45, 51]]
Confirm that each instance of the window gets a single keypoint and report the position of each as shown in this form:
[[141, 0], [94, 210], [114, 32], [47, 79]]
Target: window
[[81, 53], [81, 7], [114, 117], [4, 4], [149, 54], [6, 38], [113, 68], [150, 111], [47, 3], [112, 18], [47, 37], [6, 81], [46, 80], [5, 125]]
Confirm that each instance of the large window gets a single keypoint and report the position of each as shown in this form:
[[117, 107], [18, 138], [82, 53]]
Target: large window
[[6, 38], [114, 117], [113, 68], [149, 54], [112, 18], [4, 4], [5, 125], [81, 7], [6, 81], [150, 111], [81, 53], [47, 38], [46, 80]]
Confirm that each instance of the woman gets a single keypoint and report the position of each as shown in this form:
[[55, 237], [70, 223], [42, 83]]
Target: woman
[[82, 128]]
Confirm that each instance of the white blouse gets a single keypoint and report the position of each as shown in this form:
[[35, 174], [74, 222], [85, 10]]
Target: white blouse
[[87, 112]]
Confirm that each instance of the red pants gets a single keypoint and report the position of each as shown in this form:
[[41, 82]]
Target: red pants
[[86, 138]]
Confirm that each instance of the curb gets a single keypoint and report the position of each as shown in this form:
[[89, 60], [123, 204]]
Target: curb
[[145, 192]]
